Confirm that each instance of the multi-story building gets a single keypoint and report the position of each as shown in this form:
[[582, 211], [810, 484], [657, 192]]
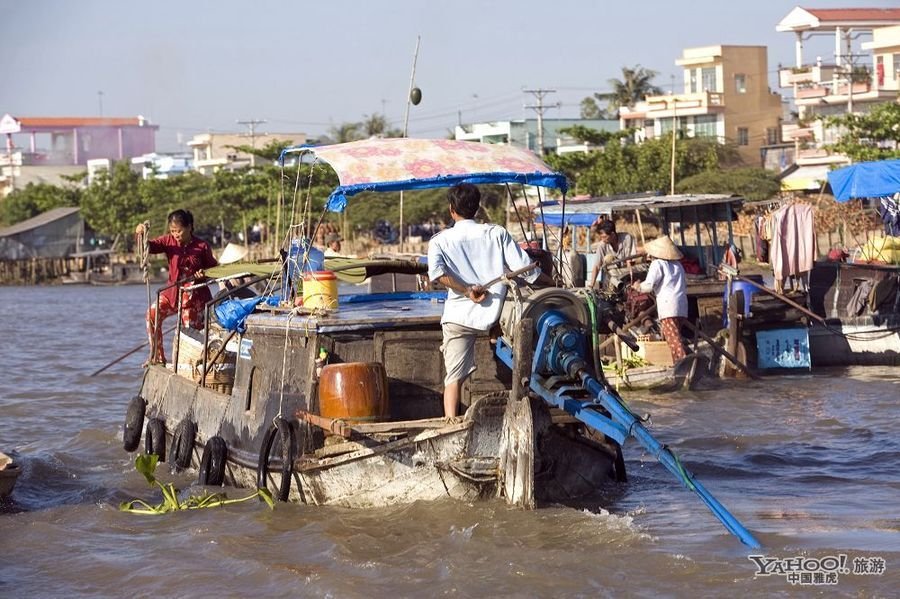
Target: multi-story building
[[848, 82], [44, 149], [214, 151], [725, 96], [524, 133]]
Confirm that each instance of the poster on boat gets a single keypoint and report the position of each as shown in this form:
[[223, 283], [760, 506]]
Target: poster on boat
[[783, 348]]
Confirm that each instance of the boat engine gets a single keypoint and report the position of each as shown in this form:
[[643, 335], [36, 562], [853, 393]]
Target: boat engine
[[562, 374]]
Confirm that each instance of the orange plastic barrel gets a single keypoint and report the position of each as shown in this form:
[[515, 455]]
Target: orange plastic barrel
[[354, 391]]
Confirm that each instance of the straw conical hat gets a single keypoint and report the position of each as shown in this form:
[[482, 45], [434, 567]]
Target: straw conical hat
[[662, 247], [233, 253]]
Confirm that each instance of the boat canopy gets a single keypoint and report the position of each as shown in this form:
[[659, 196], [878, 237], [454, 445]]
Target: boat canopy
[[395, 164], [584, 213], [876, 179]]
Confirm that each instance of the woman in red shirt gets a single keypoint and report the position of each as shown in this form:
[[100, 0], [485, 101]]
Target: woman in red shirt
[[188, 257]]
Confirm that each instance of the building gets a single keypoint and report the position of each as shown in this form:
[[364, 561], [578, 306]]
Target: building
[[162, 166], [851, 82], [524, 133], [43, 149], [53, 234], [725, 97], [214, 151]]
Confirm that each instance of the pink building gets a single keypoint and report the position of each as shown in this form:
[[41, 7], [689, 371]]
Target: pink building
[[36, 141]]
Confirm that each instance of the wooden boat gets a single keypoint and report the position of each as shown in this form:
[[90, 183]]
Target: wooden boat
[[256, 403], [684, 375]]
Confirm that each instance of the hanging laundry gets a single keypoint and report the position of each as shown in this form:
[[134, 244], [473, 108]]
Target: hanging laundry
[[890, 215], [793, 248]]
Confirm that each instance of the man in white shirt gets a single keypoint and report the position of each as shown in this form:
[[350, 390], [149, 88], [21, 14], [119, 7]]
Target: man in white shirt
[[333, 245], [613, 246], [462, 259]]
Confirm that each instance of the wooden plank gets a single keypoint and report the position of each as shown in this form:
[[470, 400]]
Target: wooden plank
[[303, 466]]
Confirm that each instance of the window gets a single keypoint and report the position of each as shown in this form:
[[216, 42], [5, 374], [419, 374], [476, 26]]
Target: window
[[740, 83], [694, 88], [665, 125], [708, 79], [705, 125], [743, 136], [772, 135]]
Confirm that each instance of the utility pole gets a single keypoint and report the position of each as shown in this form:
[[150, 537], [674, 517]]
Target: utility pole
[[251, 125], [539, 108], [850, 61], [100, 100]]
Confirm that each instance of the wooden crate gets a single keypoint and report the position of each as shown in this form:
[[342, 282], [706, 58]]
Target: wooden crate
[[654, 353]]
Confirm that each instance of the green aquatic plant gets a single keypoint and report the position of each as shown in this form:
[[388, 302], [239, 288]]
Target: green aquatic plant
[[146, 465]]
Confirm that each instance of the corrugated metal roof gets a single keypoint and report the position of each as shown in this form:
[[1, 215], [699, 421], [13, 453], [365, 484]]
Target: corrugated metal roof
[[637, 201], [38, 221]]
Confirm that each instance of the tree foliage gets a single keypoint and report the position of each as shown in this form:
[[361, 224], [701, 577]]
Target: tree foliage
[[871, 136], [630, 168], [754, 184], [36, 198], [635, 85]]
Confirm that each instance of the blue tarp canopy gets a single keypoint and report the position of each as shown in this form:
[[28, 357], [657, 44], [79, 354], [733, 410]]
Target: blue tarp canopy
[[876, 179], [584, 219], [396, 164]]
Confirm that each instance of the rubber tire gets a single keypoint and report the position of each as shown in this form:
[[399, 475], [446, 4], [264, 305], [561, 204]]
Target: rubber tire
[[134, 423], [212, 464], [183, 444], [155, 438], [282, 429]]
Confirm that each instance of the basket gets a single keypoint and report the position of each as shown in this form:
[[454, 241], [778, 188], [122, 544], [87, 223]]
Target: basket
[[220, 377]]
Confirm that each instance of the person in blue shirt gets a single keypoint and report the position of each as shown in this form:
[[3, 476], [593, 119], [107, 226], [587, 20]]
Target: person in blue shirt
[[463, 258]]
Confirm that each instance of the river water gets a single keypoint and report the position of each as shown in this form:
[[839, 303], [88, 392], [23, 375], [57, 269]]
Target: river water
[[809, 463]]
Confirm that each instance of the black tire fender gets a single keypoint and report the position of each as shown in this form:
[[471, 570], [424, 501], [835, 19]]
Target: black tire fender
[[155, 438], [212, 464], [183, 444], [281, 428], [134, 423]]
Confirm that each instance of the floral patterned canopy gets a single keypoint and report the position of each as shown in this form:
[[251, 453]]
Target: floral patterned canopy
[[401, 163]]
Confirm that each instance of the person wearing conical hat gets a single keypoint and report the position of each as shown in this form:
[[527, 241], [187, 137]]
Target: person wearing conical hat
[[665, 279]]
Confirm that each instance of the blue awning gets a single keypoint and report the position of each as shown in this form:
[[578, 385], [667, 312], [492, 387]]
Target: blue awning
[[876, 179]]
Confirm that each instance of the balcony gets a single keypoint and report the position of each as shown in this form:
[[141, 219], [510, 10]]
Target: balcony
[[661, 107], [815, 74]]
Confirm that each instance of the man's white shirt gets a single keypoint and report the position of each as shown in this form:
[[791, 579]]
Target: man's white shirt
[[475, 254]]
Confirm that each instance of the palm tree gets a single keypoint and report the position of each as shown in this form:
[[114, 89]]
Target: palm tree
[[346, 132], [635, 85], [375, 125]]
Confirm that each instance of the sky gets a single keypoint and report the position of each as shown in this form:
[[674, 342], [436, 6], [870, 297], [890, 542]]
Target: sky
[[194, 66]]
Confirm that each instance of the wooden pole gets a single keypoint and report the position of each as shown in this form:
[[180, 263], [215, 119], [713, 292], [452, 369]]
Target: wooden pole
[[786, 300], [412, 80], [523, 352], [637, 212], [716, 348]]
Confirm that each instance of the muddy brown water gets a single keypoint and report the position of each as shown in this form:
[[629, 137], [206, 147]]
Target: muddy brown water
[[809, 463]]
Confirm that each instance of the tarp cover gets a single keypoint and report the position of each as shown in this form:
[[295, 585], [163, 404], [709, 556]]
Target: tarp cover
[[876, 179], [402, 164]]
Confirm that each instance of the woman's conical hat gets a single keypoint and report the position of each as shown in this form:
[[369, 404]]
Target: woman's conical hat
[[662, 247], [233, 253]]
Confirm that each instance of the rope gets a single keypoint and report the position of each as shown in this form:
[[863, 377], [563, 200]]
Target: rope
[[287, 330]]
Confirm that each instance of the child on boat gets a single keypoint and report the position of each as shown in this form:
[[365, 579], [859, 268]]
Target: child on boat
[[188, 257], [665, 279]]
